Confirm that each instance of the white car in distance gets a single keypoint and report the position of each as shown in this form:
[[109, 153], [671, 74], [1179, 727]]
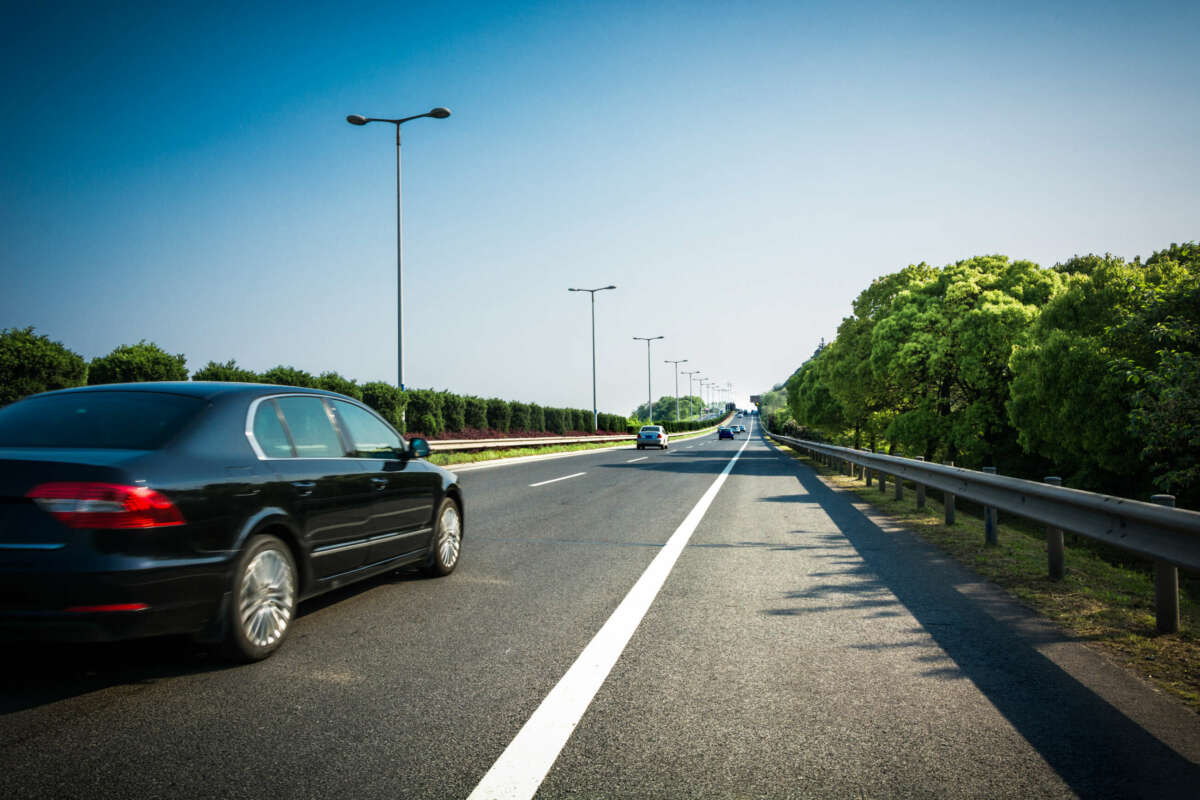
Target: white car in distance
[[652, 436]]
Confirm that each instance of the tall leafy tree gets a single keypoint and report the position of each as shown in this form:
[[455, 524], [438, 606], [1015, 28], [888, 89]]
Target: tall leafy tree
[[132, 363], [229, 371], [31, 363]]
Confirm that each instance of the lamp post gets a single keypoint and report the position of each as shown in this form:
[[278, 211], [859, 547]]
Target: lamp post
[[592, 292], [358, 119], [649, 397], [703, 401], [690, 373], [676, 363]]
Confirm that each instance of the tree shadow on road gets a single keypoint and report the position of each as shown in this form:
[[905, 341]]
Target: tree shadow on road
[[1095, 748]]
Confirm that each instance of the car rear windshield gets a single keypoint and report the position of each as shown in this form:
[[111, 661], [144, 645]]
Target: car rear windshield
[[104, 420]]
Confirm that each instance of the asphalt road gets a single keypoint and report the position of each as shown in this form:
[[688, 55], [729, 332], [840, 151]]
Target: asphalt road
[[799, 646]]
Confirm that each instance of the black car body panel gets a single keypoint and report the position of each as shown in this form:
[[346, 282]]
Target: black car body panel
[[344, 517]]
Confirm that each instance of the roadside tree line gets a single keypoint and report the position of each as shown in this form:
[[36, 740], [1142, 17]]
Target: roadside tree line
[[1089, 369], [31, 363]]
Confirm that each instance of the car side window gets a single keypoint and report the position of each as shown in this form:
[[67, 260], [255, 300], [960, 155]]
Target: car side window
[[269, 433], [312, 430], [369, 436]]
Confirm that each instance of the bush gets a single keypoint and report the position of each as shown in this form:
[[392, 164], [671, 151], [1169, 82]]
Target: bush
[[387, 400], [476, 413], [537, 417], [519, 417], [289, 376], [332, 382], [555, 421], [30, 364], [229, 372], [425, 411], [133, 363], [454, 411], [499, 414]]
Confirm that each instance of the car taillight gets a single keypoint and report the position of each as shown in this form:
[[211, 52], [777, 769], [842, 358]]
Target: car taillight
[[105, 505]]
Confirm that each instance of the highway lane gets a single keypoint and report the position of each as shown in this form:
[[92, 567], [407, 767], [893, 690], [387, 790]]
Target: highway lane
[[797, 648]]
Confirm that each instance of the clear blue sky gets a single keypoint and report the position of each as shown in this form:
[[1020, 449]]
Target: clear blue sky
[[183, 173]]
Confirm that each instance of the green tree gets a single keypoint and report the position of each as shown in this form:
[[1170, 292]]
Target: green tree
[[476, 413], [943, 352], [229, 371], [30, 363], [289, 376], [133, 363], [387, 400], [333, 382], [499, 415]]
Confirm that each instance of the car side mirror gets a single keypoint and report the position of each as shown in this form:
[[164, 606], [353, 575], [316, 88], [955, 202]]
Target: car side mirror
[[418, 447]]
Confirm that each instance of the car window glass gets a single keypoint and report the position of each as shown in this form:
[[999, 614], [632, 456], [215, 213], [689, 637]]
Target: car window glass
[[116, 420], [369, 436], [310, 427], [269, 433]]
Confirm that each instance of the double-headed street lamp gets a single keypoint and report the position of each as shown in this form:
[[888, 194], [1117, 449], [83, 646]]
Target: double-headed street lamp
[[676, 363], [690, 373], [649, 396], [595, 414], [358, 119]]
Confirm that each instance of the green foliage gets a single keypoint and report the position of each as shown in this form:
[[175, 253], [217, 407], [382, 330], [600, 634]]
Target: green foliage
[[499, 415], [537, 418], [519, 416], [424, 411], [454, 411], [132, 363], [289, 376], [475, 413], [555, 421], [387, 400], [30, 363], [664, 408], [333, 382], [229, 372]]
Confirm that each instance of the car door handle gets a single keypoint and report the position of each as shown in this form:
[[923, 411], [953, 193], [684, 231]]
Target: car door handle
[[380, 483], [305, 487]]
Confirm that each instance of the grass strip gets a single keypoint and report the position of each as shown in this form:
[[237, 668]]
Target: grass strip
[[1104, 601]]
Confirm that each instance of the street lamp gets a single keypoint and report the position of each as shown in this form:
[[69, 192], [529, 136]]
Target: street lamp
[[676, 363], [703, 405], [649, 397], [690, 373], [358, 119], [595, 413]]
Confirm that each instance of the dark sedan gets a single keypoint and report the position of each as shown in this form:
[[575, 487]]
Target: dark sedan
[[724, 433], [206, 508]]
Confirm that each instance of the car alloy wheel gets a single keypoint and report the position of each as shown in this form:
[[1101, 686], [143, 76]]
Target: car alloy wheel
[[264, 599], [447, 540]]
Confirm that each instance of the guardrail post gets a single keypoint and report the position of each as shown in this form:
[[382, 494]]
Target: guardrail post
[[882, 476], [1054, 542], [990, 520], [1166, 583], [948, 501], [920, 489], [899, 486], [868, 475]]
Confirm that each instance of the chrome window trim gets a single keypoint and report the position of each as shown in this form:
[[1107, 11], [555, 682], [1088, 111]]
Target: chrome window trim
[[329, 411]]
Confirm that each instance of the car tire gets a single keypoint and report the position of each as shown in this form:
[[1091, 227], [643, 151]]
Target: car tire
[[262, 601], [445, 547]]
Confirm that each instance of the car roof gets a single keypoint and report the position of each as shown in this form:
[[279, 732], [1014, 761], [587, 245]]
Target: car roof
[[204, 389]]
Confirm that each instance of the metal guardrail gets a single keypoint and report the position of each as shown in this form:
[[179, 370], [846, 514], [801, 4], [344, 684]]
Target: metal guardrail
[[1168, 536], [437, 445]]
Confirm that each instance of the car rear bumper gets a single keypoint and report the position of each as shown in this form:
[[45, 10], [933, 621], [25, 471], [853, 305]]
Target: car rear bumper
[[109, 606]]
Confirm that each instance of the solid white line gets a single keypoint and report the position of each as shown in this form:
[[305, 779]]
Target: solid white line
[[643, 458], [523, 765], [554, 480]]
